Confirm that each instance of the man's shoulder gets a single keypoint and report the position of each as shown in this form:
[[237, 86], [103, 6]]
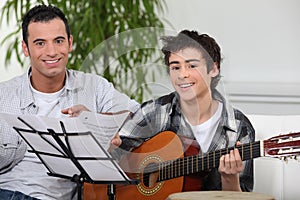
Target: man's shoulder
[[12, 83], [76, 74]]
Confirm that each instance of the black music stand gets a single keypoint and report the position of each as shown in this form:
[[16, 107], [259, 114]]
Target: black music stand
[[74, 155]]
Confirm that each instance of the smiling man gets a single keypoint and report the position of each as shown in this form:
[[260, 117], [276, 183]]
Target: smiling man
[[48, 88], [195, 111]]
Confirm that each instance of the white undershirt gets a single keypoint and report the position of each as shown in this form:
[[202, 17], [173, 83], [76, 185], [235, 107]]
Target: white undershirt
[[205, 132], [47, 103]]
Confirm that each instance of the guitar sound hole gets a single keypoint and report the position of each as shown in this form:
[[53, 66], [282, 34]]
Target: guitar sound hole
[[150, 175]]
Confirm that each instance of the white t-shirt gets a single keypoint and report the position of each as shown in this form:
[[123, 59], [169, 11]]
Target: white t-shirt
[[205, 132], [47, 103]]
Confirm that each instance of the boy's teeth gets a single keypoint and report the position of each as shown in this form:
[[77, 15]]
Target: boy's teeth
[[185, 85]]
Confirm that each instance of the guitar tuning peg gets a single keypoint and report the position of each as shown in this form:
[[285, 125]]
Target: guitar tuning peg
[[285, 160]]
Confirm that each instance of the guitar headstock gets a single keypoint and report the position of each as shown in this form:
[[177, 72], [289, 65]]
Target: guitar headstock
[[283, 146]]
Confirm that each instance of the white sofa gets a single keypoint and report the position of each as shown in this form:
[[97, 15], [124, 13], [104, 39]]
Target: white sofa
[[273, 176]]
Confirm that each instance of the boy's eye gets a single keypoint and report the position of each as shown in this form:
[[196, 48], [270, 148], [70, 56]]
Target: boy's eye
[[175, 67]]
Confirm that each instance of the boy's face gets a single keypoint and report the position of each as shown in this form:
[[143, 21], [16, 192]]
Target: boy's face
[[189, 76], [48, 48]]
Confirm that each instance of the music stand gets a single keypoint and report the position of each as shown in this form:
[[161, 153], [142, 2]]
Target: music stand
[[74, 155]]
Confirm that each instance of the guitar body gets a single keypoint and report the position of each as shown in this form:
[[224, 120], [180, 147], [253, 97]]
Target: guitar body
[[162, 147]]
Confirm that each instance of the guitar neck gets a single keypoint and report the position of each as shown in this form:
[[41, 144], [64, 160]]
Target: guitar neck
[[202, 162]]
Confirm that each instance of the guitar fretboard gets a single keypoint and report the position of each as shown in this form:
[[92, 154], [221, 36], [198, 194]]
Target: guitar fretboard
[[202, 162]]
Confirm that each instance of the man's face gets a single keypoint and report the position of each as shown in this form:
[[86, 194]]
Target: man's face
[[48, 49], [188, 73]]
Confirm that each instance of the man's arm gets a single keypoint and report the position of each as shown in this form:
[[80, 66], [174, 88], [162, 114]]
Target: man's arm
[[12, 151]]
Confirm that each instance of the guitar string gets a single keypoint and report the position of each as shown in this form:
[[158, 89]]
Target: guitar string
[[181, 165], [202, 161]]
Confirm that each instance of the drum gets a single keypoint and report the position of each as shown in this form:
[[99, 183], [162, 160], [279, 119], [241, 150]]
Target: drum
[[222, 195]]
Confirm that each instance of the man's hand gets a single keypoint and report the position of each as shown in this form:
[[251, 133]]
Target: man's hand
[[74, 111], [115, 142]]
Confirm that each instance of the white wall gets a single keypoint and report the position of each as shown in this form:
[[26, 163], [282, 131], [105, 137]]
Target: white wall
[[14, 68]]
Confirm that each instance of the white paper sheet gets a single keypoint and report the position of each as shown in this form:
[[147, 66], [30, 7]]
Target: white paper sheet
[[87, 136]]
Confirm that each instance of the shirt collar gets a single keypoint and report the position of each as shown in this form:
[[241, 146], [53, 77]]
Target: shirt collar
[[228, 118], [27, 99]]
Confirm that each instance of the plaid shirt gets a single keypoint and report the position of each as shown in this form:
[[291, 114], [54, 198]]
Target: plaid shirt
[[163, 114]]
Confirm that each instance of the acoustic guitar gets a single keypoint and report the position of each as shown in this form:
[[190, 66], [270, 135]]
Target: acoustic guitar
[[167, 164]]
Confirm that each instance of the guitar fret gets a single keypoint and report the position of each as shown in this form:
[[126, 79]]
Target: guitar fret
[[208, 160], [169, 170], [214, 165], [197, 164], [187, 165], [176, 166], [202, 162], [242, 152], [192, 170], [165, 171], [251, 150], [174, 170], [179, 165]]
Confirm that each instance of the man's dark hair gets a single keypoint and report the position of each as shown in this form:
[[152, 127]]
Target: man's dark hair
[[42, 13], [203, 42]]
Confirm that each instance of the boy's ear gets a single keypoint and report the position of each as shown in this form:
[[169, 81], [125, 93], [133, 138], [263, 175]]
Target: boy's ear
[[215, 70]]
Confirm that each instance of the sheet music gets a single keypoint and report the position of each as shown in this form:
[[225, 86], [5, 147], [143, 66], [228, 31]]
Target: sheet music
[[103, 126], [79, 136]]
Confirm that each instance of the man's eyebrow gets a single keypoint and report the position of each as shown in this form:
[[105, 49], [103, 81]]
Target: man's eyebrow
[[60, 37], [42, 40], [38, 40]]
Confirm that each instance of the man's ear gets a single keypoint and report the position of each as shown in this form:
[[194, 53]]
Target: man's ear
[[215, 70], [25, 49], [70, 43]]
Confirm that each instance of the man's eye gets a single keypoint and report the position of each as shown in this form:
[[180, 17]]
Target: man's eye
[[193, 66], [40, 43], [59, 41]]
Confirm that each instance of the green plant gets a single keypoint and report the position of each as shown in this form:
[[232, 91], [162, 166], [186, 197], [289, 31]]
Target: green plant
[[94, 23]]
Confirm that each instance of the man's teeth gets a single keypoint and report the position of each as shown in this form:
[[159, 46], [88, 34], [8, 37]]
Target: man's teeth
[[51, 61], [186, 85]]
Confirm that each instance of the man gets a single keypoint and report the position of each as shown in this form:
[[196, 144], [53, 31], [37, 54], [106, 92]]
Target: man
[[196, 110], [47, 89]]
